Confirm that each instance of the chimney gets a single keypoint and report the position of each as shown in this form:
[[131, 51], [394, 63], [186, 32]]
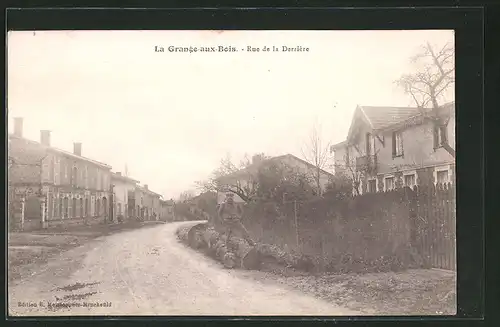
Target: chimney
[[146, 186], [18, 126], [45, 137], [77, 148]]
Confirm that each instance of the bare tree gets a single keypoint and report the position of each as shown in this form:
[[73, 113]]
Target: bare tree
[[186, 196], [218, 181], [316, 152], [434, 75]]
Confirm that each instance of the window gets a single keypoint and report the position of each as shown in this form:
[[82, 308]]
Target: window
[[74, 207], [98, 207], [410, 180], [80, 207], [50, 203], [104, 206], [389, 183], [442, 176], [440, 136], [74, 176], [397, 144], [369, 144], [65, 208], [56, 207], [85, 177], [57, 170], [372, 186]]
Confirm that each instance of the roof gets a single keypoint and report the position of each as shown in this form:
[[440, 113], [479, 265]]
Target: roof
[[255, 166], [142, 189], [381, 118], [167, 202], [66, 153], [123, 178]]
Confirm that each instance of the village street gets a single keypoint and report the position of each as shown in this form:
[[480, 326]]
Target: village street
[[148, 272]]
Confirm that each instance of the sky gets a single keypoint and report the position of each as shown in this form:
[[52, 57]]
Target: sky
[[171, 116]]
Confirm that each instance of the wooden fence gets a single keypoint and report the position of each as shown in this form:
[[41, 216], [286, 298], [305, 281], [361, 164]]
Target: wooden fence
[[434, 230], [368, 227]]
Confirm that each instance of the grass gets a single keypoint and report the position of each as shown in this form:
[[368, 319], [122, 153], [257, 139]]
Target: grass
[[410, 292]]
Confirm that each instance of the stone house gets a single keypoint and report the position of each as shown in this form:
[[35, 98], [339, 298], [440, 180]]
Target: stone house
[[390, 147], [122, 186], [50, 186], [145, 203]]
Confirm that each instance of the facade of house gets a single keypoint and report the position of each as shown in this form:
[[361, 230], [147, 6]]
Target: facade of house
[[390, 147], [167, 210], [245, 177], [144, 203], [122, 185], [51, 186]]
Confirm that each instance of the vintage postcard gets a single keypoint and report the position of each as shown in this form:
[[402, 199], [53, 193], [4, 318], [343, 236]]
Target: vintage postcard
[[244, 173]]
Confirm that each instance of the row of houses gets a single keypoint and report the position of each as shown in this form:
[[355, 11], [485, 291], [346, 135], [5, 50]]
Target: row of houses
[[48, 186], [386, 148]]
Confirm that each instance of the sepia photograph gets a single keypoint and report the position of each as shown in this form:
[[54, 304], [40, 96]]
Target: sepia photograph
[[231, 173]]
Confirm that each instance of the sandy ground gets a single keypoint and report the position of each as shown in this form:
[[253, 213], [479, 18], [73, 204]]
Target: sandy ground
[[148, 272]]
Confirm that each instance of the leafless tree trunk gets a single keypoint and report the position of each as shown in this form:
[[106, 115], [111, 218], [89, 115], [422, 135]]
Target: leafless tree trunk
[[316, 152], [434, 75]]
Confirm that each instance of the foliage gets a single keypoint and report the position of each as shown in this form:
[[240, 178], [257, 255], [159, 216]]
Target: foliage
[[340, 187], [267, 180], [186, 196], [277, 181], [226, 167]]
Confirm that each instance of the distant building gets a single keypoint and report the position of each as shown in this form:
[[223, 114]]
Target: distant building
[[122, 186], [167, 212], [145, 203], [390, 147], [244, 177], [51, 186]]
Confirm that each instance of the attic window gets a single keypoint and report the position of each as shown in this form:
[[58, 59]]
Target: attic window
[[440, 136], [397, 144]]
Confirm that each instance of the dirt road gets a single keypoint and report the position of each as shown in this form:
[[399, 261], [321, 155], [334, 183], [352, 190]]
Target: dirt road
[[148, 272]]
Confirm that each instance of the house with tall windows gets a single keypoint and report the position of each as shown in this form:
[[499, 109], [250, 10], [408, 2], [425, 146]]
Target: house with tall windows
[[143, 203], [51, 186], [391, 147], [122, 186]]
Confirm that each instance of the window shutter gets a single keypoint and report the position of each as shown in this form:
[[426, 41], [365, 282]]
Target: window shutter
[[436, 137], [444, 136], [393, 144]]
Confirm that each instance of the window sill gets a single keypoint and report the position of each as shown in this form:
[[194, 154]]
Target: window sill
[[398, 156]]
